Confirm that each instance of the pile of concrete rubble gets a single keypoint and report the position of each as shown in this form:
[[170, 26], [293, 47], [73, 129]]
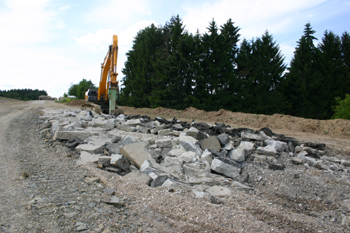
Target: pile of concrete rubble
[[175, 154]]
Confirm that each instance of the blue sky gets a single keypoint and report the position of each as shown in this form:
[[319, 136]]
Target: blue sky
[[51, 44]]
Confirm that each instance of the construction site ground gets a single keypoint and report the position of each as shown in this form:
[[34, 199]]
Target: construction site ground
[[42, 190]]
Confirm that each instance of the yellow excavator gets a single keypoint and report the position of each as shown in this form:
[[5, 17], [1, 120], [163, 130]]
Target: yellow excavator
[[104, 98]]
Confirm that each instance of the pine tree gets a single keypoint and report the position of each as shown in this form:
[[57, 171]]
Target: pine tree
[[332, 77], [302, 83], [345, 54], [261, 66], [217, 65], [139, 68], [172, 66], [230, 83]]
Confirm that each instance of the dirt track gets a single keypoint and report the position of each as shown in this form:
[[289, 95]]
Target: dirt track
[[42, 189]]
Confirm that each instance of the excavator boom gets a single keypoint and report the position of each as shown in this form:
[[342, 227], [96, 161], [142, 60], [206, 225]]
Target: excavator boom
[[108, 91]]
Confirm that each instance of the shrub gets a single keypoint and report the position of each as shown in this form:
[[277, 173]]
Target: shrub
[[342, 109]]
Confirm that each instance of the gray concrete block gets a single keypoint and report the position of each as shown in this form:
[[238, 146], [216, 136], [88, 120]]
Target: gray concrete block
[[136, 152]]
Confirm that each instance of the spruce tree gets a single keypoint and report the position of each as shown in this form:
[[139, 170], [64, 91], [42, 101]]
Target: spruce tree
[[172, 65], [139, 68], [230, 83], [345, 54], [261, 66], [331, 69], [302, 83]]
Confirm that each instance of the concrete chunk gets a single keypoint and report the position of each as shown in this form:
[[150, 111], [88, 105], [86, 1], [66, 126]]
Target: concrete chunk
[[98, 149], [176, 151], [66, 135], [246, 145], [219, 191], [225, 168], [141, 129], [164, 132], [119, 161], [125, 128], [207, 156], [253, 136], [133, 122], [104, 160], [86, 157], [223, 139], [138, 177], [136, 152], [212, 143], [237, 154], [191, 146], [165, 143]]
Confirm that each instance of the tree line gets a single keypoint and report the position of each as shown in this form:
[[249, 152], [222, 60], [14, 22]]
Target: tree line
[[23, 94], [169, 67]]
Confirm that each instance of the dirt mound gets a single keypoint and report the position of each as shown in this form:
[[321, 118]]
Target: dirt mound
[[309, 129], [75, 102]]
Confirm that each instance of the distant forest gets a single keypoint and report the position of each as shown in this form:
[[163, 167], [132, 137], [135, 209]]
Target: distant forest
[[23, 94], [169, 67]]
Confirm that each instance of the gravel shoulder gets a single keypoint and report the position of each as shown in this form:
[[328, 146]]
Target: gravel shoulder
[[42, 190]]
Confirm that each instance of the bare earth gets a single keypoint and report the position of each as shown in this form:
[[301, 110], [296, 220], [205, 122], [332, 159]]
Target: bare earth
[[42, 190]]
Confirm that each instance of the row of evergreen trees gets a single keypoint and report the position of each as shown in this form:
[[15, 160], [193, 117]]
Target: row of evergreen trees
[[172, 68], [23, 94]]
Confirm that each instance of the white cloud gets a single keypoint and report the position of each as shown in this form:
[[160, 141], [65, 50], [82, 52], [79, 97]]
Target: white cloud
[[25, 21], [97, 41], [118, 13], [254, 17]]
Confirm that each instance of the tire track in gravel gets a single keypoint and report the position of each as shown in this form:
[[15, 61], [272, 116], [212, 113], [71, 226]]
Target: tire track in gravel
[[54, 197]]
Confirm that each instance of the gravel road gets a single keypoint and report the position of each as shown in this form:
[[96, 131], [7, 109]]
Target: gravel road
[[42, 190]]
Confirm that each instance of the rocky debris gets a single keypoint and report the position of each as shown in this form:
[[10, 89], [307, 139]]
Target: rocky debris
[[179, 155]]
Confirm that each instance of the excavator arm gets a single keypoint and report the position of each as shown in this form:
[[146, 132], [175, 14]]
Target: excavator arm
[[109, 70], [108, 89]]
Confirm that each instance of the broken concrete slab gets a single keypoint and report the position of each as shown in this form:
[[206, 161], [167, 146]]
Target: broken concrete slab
[[90, 148], [223, 139], [191, 146], [207, 156], [142, 129], [119, 161], [219, 191], [125, 128], [212, 143], [172, 166], [104, 160], [67, 135], [158, 181], [86, 157], [176, 151], [187, 157], [237, 154], [138, 177], [247, 145], [133, 122], [187, 138], [137, 153], [225, 168], [253, 136], [164, 132], [165, 143]]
